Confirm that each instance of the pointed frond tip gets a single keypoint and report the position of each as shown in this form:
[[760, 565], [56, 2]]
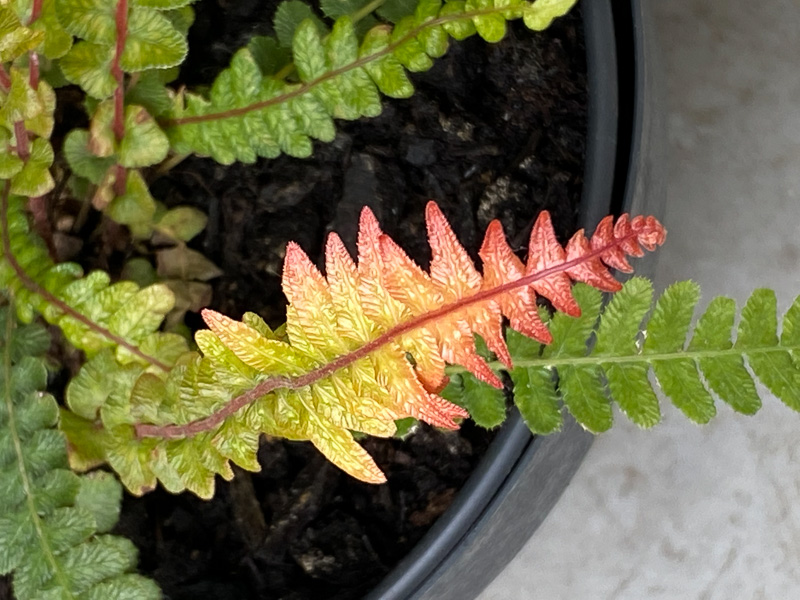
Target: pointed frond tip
[[367, 343]]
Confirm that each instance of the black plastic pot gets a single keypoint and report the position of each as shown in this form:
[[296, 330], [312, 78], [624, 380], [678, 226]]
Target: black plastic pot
[[521, 477]]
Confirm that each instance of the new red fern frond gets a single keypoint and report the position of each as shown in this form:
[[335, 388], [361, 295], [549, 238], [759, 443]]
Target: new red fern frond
[[350, 333]]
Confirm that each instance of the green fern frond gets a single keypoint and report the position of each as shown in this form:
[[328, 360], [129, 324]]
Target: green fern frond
[[116, 325], [52, 520], [249, 113], [93, 313], [627, 347]]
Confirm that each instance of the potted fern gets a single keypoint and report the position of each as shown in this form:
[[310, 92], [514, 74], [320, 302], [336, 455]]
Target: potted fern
[[363, 348]]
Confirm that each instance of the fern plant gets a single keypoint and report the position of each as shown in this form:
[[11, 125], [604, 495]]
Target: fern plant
[[53, 530], [373, 341]]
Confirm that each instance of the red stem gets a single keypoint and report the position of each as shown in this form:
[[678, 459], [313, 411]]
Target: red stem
[[120, 180], [33, 70], [116, 69], [35, 288], [5, 79], [33, 62], [23, 149], [293, 383], [36, 10]]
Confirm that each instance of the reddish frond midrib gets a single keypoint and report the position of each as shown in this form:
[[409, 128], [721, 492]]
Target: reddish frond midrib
[[345, 360], [37, 289], [121, 21]]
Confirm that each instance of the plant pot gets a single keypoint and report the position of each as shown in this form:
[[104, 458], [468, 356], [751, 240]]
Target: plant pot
[[521, 477]]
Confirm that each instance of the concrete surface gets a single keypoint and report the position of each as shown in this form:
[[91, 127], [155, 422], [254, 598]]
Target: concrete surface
[[683, 511]]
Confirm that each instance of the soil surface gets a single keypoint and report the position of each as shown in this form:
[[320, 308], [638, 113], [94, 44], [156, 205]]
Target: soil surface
[[494, 131]]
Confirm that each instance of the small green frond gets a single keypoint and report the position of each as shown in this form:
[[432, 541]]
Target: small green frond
[[618, 331], [93, 313], [725, 374], [82, 162], [143, 142], [34, 179], [57, 41], [91, 20], [154, 34], [152, 42], [629, 386], [89, 66], [540, 14], [584, 397], [669, 324], [618, 367], [51, 517], [666, 332], [490, 26], [154, 38], [341, 74], [536, 399]]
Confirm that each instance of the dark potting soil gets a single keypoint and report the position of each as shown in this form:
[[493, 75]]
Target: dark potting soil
[[493, 131]]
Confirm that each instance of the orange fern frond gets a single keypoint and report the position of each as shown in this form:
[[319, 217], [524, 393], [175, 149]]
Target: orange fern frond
[[369, 341]]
